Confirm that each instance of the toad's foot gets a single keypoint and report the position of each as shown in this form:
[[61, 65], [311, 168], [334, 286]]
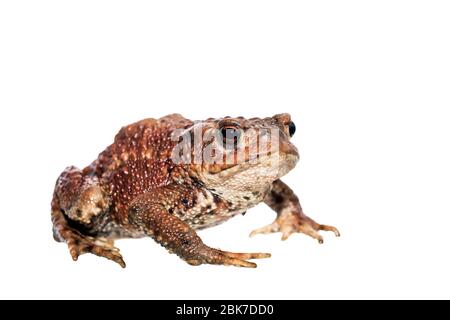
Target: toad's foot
[[289, 222], [214, 256], [80, 244], [149, 213]]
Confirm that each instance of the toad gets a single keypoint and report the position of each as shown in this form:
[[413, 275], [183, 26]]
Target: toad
[[167, 178]]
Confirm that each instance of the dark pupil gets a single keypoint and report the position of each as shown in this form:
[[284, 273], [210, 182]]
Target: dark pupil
[[230, 135], [291, 128]]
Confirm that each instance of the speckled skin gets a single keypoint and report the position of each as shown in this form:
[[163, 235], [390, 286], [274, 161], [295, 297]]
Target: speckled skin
[[135, 189]]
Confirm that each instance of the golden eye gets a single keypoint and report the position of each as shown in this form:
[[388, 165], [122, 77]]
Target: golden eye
[[230, 135]]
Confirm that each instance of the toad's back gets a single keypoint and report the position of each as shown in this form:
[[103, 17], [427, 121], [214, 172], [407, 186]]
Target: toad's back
[[139, 160]]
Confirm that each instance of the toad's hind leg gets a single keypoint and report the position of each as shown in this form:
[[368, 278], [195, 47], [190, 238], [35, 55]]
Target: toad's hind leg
[[79, 243], [69, 201]]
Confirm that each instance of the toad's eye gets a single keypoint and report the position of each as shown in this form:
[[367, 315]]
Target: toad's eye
[[230, 135], [292, 128]]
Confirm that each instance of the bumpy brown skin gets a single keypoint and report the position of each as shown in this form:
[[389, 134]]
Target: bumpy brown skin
[[135, 189]]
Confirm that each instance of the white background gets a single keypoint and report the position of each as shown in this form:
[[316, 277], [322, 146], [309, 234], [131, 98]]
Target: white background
[[367, 83]]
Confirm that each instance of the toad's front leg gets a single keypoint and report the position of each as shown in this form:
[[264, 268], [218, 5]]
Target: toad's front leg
[[152, 213], [290, 217]]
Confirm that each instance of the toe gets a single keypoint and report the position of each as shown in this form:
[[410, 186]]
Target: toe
[[310, 231], [286, 234], [74, 254], [247, 256], [274, 227], [73, 249], [238, 263], [330, 228], [110, 254]]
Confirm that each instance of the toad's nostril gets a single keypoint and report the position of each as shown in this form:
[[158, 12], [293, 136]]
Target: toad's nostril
[[292, 128]]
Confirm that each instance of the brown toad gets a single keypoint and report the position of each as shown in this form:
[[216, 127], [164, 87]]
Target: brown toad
[[167, 178]]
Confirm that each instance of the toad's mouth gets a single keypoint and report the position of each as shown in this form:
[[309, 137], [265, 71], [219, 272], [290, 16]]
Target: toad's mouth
[[276, 165], [274, 162]]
